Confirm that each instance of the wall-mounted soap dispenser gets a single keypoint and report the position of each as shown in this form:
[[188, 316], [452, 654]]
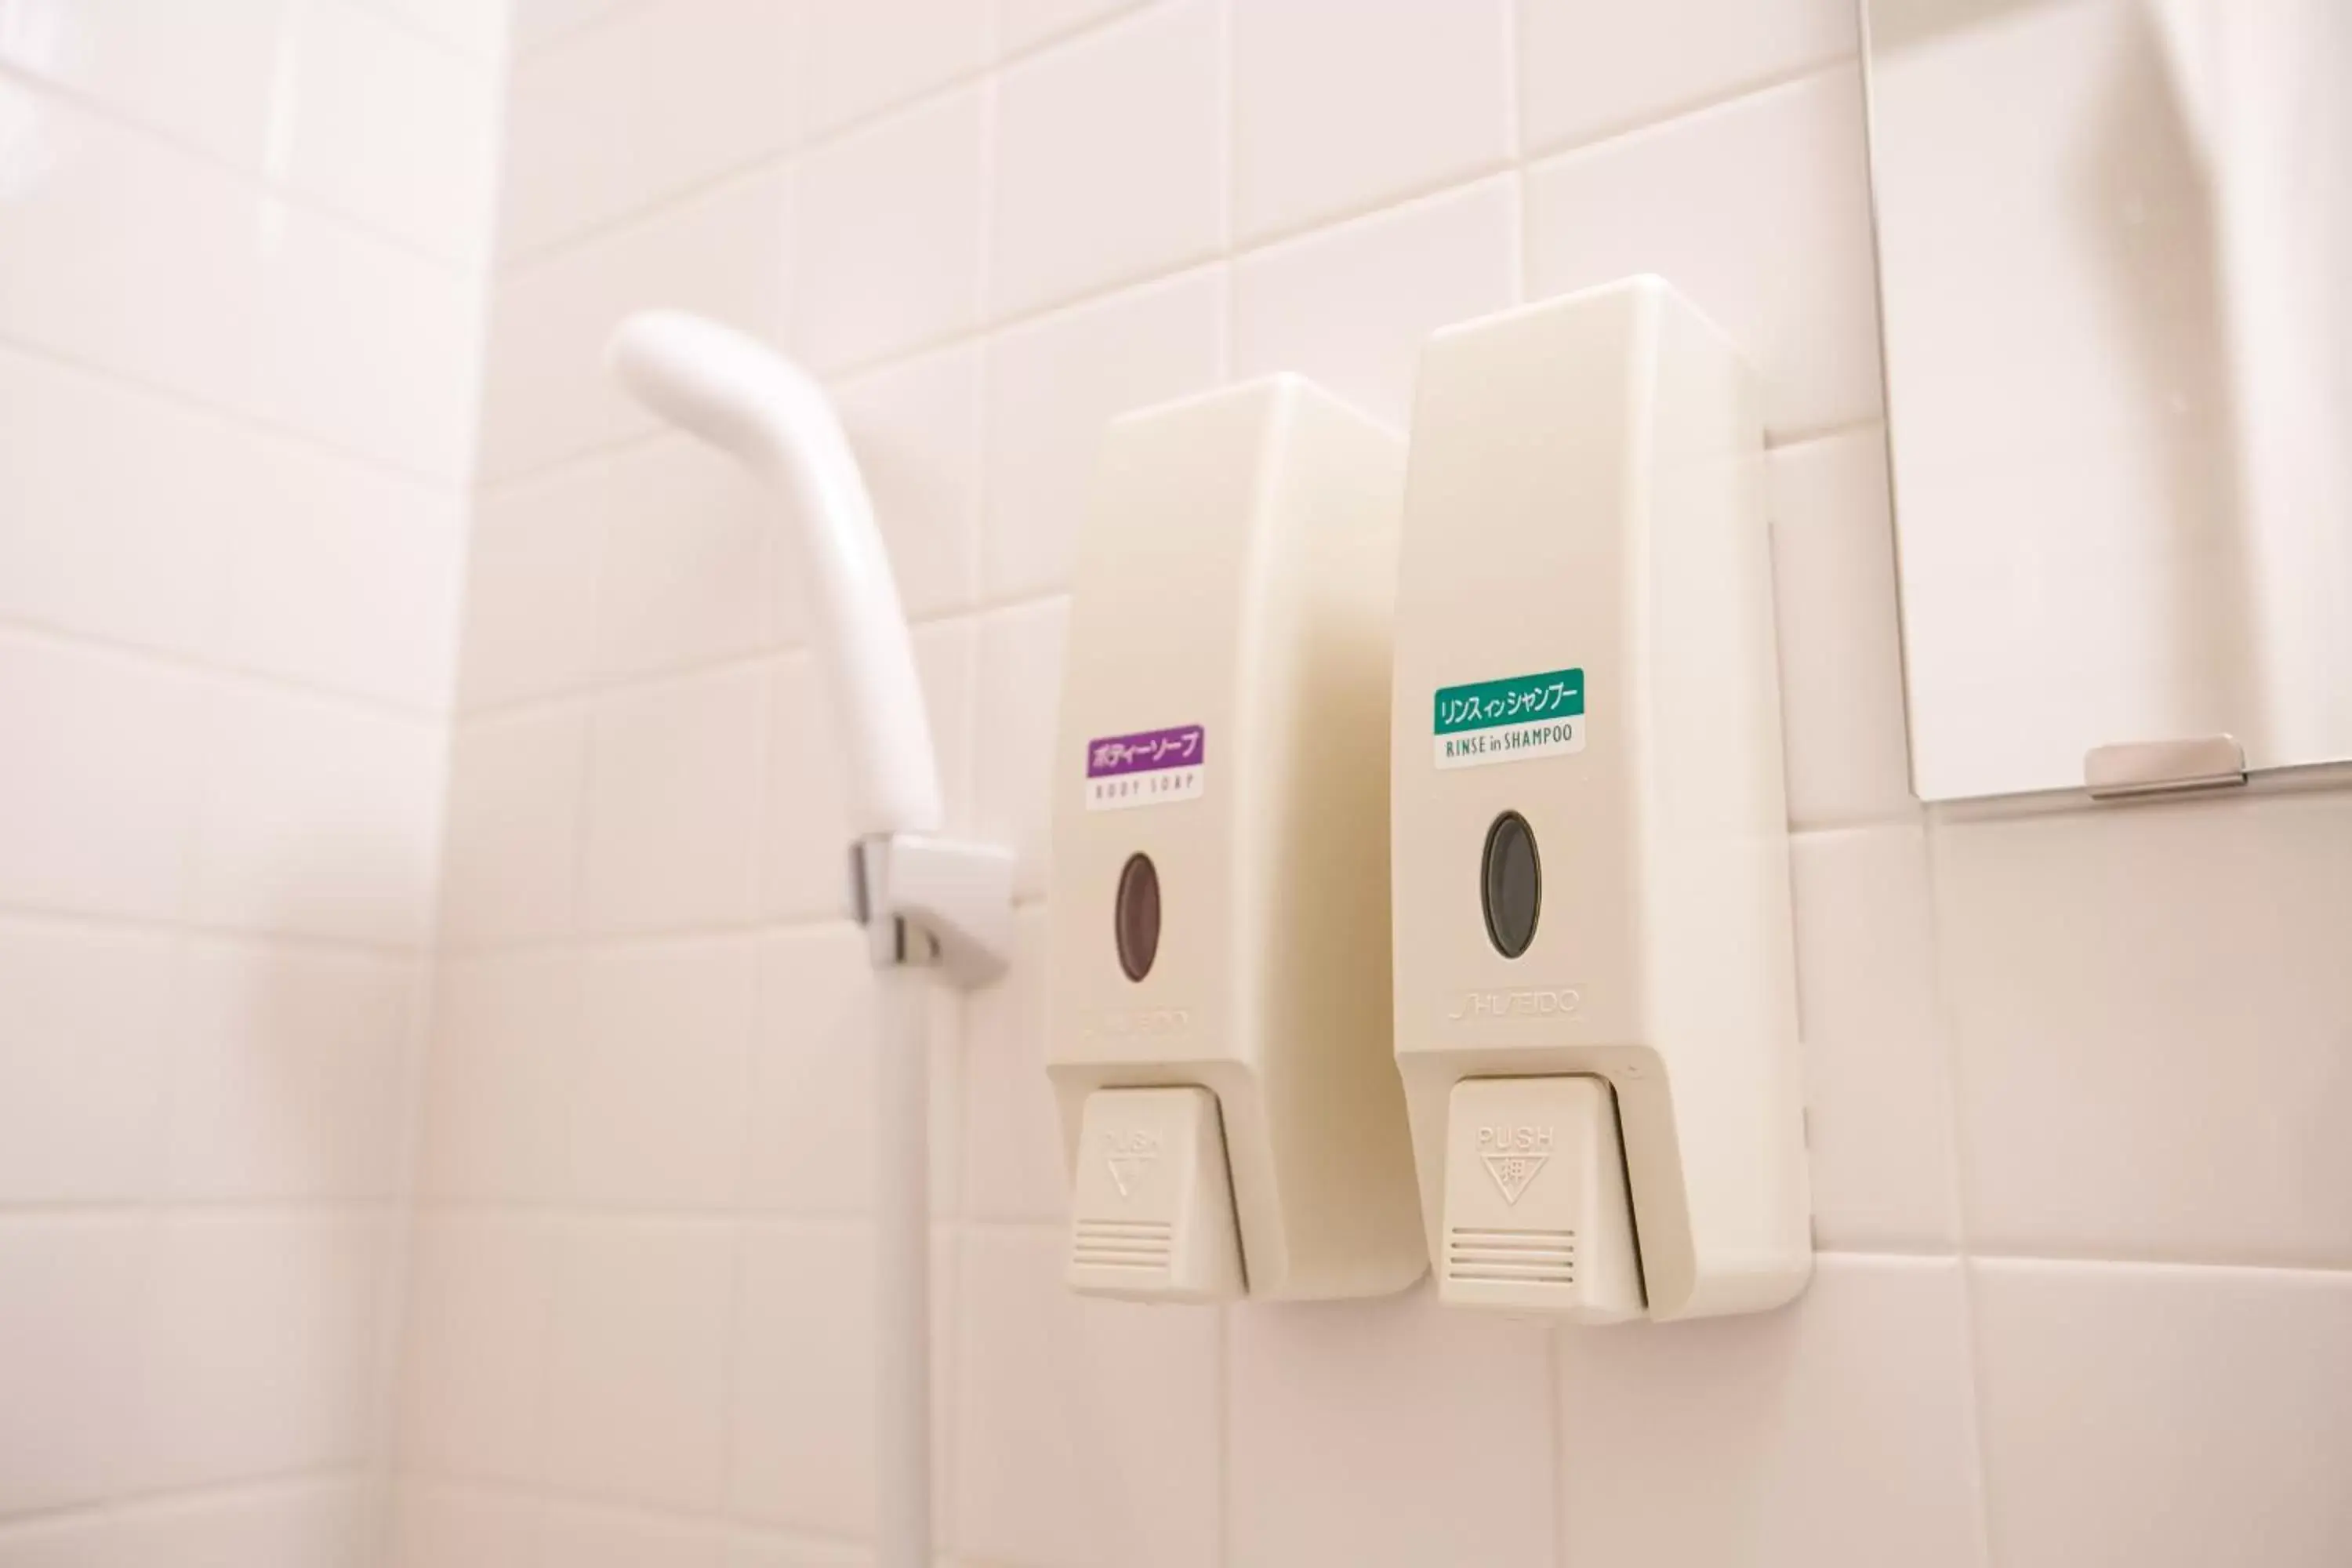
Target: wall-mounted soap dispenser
[[1219, 1015], [1595, 993]]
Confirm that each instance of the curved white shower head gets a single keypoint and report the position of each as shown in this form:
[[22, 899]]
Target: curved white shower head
[[734, 393], [738, 393]]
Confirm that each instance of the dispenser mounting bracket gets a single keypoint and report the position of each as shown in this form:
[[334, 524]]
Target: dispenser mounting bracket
[[956, 896]]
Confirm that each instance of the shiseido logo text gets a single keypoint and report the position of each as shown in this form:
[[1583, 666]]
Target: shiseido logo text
[[1534, 1002], [1144, 1021]]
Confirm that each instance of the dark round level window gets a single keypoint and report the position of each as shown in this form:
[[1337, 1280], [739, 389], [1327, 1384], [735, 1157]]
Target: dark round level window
[[1510, 884], [1135, 916]]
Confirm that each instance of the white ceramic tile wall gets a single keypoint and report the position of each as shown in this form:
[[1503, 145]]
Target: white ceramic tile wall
[[242, 254], [1110, 158], [2074, 1077]]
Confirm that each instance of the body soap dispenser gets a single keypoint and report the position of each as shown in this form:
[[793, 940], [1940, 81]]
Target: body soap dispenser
[[1218, 1021], [1595, 991]]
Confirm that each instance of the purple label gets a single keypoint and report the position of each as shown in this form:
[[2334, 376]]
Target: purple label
[[1148, 751]]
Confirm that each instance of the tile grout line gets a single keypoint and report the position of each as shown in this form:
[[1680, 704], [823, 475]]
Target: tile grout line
[[601, 944], [396, 1292], [1234, 246], [1227, 356], [494, 62], [253, 181], [983, 338], [739, 1182], [155, 1206], [489, 489], [1617, 134], [1947, 1054], [518, 56], [31, 632], [545, 703], [401, 22], [1795, 436], [115, 1506], [1514, 173], [201, 405], [1392, 203], [735, 1526], [781, 158], [800, 144], [950, 1385], [429, 1206], [1225, 1399], [185, 928]]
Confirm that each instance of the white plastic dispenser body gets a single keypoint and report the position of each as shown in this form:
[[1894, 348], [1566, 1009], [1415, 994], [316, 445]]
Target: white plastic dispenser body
[[1590, 838], [1219, 1027]]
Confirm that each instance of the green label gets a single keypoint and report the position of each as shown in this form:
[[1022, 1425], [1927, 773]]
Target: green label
[[1489, 704], [1514, 720]]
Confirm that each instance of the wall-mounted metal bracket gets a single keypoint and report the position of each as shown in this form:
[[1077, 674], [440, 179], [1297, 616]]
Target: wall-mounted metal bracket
[[937, 901], [2163, 767]]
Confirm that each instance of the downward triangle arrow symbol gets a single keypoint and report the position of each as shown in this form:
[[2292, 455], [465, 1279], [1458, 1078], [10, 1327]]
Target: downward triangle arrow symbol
[[1126, 1172], [1512, 1173]]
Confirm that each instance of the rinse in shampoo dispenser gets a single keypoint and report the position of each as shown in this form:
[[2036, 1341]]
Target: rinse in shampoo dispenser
[[1218, 1020], [1595, 992]]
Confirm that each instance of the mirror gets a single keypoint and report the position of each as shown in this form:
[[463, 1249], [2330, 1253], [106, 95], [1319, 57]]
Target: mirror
[[2115, 252]]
